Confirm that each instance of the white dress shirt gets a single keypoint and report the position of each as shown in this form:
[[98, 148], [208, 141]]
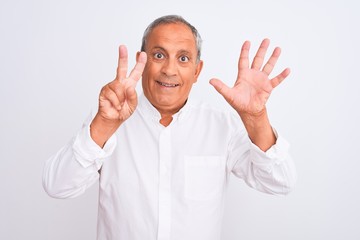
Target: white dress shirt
[[167, 183]]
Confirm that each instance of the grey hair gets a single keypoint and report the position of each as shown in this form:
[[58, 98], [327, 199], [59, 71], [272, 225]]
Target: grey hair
[[173, 19]]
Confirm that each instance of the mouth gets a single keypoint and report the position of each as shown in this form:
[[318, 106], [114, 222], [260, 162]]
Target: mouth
[[170, 85]]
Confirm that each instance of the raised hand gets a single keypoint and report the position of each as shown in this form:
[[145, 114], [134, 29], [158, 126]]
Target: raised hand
[[252, 87], [117, 99], [251, 91]]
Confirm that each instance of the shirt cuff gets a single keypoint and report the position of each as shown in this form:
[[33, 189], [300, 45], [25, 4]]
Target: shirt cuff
[[275, 155], [87, 152]]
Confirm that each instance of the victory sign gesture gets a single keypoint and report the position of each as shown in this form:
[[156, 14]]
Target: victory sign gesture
[[251, 91], [117, 99]]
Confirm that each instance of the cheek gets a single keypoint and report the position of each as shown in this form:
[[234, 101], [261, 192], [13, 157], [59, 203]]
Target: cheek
[[151, 71], [146, 74], [189, 78]]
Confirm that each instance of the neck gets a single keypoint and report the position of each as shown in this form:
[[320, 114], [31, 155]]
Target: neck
[[166, 120], [166, 114]]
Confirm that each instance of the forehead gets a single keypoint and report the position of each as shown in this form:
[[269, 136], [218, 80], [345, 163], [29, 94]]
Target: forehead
[[172, 35]]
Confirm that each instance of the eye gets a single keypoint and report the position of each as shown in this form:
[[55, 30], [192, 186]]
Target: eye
[[158, 56], [184, 59]]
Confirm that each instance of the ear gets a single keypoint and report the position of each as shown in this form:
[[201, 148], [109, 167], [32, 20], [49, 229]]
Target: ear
[[198, 69]]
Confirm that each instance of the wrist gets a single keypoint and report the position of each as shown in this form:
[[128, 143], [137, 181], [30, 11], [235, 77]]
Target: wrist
[[259, 129], [101, 129], [255, 120]]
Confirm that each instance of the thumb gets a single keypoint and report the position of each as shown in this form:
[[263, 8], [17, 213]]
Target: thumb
[[220, 87]]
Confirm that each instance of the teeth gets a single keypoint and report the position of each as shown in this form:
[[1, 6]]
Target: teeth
[[167, 84]]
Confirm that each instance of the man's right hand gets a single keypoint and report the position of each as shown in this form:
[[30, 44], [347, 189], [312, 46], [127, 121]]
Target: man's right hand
[[118, 99]]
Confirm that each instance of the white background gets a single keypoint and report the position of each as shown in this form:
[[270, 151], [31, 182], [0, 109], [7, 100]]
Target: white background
[[56, 55]]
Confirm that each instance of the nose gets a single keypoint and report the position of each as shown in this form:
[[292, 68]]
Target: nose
[[169, 67]]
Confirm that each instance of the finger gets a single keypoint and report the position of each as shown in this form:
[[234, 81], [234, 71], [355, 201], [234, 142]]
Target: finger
[[260, 54], [269, 66], [244, 56], [279, 78], [137, 71], [131, 97], [112, 97], [119, 90], [221, 88], [122, 63]]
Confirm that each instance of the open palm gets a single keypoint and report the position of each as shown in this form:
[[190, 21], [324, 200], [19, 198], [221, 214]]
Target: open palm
[[253, 86]]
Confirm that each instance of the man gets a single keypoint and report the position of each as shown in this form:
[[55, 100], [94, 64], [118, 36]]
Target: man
[[163, 160]]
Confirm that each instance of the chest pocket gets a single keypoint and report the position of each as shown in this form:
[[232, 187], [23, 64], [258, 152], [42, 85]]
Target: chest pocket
[[204, 177]]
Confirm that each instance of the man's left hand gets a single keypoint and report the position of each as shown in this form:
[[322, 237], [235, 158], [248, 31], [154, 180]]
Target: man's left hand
[[253, 87]]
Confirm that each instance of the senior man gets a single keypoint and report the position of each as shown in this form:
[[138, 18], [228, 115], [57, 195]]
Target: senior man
[[163, 161]]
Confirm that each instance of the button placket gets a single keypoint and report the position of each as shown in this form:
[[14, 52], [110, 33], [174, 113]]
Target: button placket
[[164, 185]]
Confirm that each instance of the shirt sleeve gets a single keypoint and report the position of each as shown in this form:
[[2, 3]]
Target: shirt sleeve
[[271, 172], [75, 167]]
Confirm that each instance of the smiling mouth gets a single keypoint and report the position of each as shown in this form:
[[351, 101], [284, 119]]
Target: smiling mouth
[[171, 85]]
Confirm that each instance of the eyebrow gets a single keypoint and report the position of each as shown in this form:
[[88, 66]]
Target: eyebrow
[[182, 51], [158, 47]]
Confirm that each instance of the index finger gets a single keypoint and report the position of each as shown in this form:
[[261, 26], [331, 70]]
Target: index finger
[[139, 67], [244, 56], [122, 63]]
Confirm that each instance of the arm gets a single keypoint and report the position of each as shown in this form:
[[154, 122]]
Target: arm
[[266, 164], [251, 91], [272, 172], [76, 166]]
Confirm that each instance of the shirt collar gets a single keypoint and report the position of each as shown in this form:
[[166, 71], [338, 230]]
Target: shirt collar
[[147, 109]]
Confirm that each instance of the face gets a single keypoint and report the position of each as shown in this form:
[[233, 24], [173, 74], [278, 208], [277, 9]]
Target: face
[[171, 68]]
